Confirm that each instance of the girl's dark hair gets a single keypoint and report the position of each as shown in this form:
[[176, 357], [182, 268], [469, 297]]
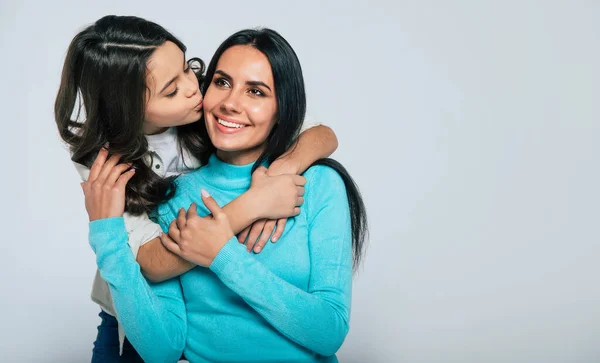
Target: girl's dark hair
[[106, 67], [291, 107]]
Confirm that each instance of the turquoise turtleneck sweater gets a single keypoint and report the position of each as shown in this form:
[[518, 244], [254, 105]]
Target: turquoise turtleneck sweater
[[289, 303]]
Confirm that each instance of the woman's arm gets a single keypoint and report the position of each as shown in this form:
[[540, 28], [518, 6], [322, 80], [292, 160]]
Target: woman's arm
[[147, 314], [274, 196], [317, 318], [159, 264], [152, 316]]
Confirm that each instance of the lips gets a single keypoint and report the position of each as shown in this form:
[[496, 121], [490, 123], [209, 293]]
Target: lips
[[198, 107]]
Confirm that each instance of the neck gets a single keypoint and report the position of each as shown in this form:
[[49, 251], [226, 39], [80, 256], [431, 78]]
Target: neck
[[153, 130], [241, 157]]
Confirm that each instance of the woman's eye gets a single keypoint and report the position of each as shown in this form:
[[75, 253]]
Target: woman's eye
[[172, 94], [256, 92], [221, 82]]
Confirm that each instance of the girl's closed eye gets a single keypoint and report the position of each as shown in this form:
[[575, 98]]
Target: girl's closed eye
[[172, 94]]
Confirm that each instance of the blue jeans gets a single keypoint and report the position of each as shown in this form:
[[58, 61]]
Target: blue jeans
[[106, 346]]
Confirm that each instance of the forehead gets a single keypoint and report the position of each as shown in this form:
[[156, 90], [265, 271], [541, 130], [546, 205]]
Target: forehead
[[164, 64], [247, 63]]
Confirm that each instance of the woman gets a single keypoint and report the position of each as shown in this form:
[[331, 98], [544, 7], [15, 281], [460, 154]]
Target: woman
[[289, 303], [141, 101]]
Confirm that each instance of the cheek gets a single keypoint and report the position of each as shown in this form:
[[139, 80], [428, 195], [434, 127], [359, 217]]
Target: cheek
[[164, 112], [211, 99], [262, 115]]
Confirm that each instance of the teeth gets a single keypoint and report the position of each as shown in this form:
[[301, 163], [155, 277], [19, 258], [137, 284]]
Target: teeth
[[230, 124]]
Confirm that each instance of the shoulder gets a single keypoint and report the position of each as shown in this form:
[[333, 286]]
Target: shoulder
[[323, 185], [322, 176]]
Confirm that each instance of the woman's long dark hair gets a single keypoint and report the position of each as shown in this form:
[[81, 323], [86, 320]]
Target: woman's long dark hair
[[106, 66], [291, 107]]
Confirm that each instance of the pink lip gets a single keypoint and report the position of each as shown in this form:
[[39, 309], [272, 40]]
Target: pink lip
[[198, 106]]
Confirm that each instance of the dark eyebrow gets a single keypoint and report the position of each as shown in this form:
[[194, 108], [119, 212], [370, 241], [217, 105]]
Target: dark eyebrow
[[168, 84], [172, 79], [249, 83], [258, 83], [224, 74]]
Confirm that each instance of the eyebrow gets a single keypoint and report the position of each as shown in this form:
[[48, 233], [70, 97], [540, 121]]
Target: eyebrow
[[168, 84], [249, 83], [172, 79]]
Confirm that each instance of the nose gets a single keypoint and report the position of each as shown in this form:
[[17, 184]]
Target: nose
[[191, 86], [231, 103]]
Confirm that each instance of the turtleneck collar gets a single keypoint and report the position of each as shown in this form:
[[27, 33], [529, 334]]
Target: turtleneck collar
[[227, 176]]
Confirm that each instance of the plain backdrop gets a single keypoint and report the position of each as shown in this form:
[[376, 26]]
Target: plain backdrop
[[471, 128]]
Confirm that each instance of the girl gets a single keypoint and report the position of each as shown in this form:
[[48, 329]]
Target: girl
[[141, 101], [253, 107]]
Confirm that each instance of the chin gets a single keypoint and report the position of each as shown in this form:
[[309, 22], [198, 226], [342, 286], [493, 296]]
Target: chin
[[227, 146]]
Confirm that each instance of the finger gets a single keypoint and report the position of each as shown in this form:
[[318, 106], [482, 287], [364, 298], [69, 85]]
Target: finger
[[107, 168], [300, 191], [244, 234], [255, 231], [116, 173], [299, 180], [279, 231], [299, 201], [169, 243], [97, 165], [124, 179], [192, 211], [174, 231], [264, 237], [296, 212], [181, 220], [212, 205]]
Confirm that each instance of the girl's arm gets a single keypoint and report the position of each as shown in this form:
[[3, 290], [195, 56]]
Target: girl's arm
[[315, 142]]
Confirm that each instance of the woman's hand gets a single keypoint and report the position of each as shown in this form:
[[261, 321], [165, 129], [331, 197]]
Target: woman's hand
[[198, 239], [104, 189]]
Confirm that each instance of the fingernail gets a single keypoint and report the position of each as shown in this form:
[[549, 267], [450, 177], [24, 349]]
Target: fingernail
[[160, 234], [257, 249], [106, 145], [274, 239], [205, 194]]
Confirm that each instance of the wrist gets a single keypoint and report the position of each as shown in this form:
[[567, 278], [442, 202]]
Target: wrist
[[285, 165], [252, 206]]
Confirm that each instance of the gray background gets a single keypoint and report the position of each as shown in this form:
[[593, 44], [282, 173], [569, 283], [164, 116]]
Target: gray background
[[471, 129]]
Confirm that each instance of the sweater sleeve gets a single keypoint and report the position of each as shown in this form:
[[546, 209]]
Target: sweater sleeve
[[317, 319], [140, 228], [153, 316]]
